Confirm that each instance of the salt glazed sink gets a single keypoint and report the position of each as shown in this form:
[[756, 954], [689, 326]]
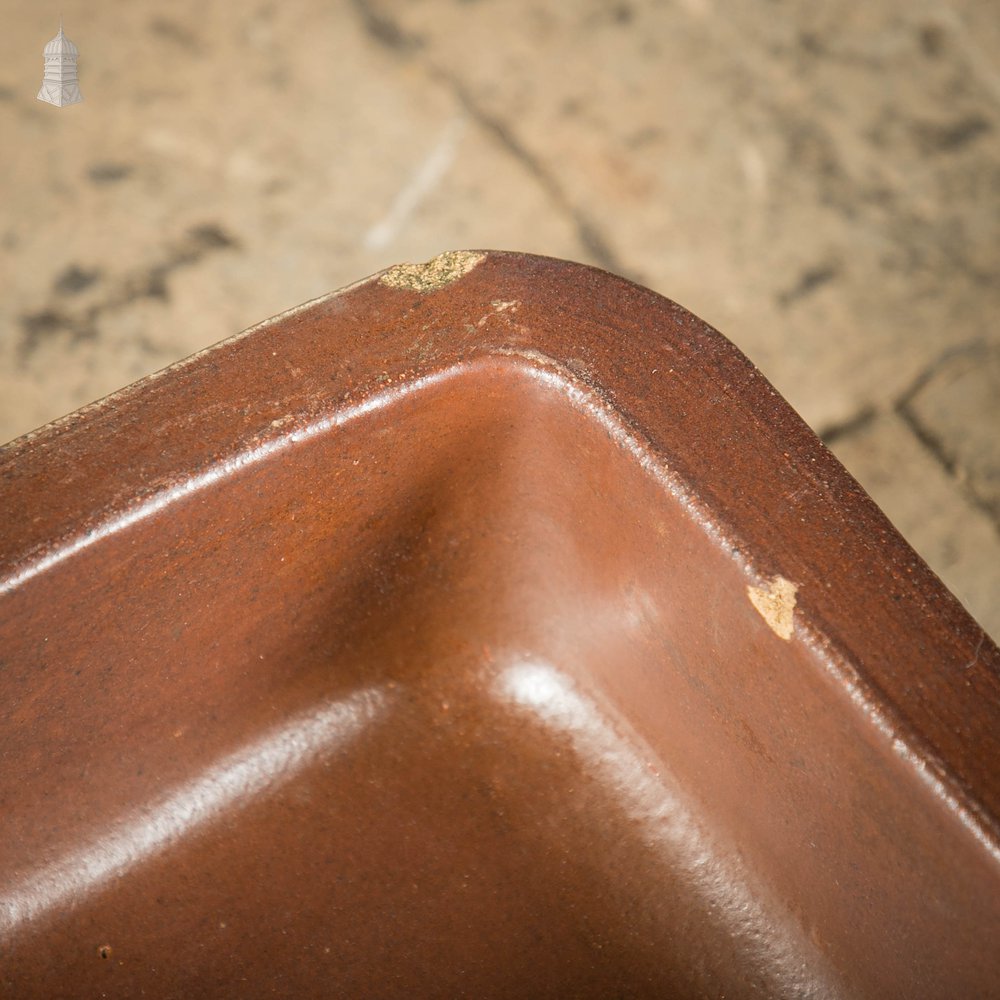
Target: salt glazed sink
[[489, 628]]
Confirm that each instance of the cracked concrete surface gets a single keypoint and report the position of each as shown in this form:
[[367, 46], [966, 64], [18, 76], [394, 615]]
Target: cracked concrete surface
[[821, 182]]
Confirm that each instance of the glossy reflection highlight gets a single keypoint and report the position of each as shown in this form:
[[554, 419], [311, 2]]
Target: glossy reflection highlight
[[230, 783], [771, 942]]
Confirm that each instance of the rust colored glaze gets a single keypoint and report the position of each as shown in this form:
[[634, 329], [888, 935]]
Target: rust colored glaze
[[489, 628]]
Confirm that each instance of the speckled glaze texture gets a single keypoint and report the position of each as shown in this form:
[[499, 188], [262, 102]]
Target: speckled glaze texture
[[489, 628]]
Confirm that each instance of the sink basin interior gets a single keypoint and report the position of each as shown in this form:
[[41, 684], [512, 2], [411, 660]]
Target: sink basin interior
[[456, 697]]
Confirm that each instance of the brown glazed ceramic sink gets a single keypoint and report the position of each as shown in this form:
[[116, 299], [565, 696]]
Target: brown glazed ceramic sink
[[489, 628]]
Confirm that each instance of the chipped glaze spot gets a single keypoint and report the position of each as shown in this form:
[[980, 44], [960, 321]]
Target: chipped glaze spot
[[435, 273], [776, 603]]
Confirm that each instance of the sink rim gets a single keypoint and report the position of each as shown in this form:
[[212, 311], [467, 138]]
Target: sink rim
[[907, 694]]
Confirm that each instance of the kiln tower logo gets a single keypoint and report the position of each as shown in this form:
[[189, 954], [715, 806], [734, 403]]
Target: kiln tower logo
[[60, 85]]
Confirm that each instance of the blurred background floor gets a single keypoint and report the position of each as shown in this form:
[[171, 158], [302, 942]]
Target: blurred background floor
[[819, 181]]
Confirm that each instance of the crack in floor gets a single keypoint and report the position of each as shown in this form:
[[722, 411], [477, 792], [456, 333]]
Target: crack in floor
[[932, 443], [385, 30], [389, 34], [143, 283], [939, 451], [854, 424]]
